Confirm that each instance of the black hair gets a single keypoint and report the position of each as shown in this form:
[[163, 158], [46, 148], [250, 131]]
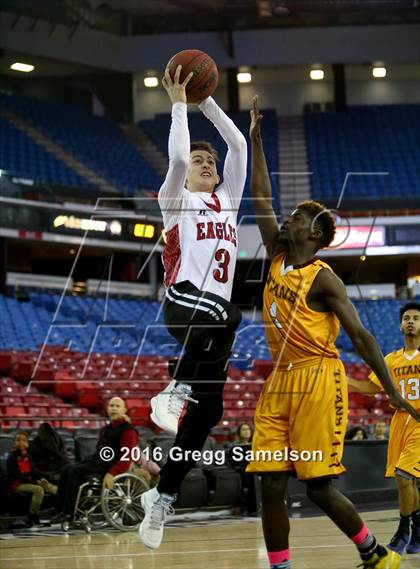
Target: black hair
[[238, 430], [353, 430], [409, 306], [322, 218]]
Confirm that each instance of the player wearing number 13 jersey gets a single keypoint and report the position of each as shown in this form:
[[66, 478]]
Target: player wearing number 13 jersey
[[403, 460], [199, 258]]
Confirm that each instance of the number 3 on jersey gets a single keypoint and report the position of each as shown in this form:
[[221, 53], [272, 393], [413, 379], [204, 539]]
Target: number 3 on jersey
[[410, 388], [221, 274]]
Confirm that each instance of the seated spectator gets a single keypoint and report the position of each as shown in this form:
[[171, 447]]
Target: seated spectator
[[243, 438], [243, 434], [147, 469], [24, 477], [357, 433], [380, 431], [48, 452], [116, 435]]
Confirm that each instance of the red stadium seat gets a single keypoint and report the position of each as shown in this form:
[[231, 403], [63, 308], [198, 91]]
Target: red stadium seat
[[263, 367], [15, 410], [22, 371], [140, 416], [64, 384], [5, 362], [88, 395]]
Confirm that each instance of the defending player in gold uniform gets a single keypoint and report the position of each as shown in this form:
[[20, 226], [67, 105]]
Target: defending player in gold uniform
[[308, 379], [304, 402]]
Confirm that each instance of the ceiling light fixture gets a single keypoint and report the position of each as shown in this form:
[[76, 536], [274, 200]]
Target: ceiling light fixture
[[317, 74], [24, 67], [151, 82], [379, 72], [244, 77]]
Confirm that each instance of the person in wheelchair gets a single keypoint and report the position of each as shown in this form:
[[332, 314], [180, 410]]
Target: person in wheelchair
[[118, 434], [24, 477]]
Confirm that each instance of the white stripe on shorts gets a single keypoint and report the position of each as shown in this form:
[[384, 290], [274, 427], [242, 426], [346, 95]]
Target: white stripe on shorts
[[200, 299], [190, 305]]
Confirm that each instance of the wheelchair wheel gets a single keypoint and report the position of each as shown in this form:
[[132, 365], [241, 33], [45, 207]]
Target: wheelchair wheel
[[121, 505], [89, 511]]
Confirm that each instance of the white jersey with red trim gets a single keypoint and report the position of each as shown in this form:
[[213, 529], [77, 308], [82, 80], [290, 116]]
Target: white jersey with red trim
[[201, 228]]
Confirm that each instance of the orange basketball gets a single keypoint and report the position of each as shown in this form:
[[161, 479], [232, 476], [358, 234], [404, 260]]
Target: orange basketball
[[205, 79]]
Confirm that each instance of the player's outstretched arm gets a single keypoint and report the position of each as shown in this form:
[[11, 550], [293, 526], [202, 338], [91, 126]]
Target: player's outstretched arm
[[170, 194], [234, 171], [333, 292], [366, 387], [261, 185]]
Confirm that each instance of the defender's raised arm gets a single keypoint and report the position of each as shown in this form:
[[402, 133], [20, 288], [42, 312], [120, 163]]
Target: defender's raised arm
[[261, 185]]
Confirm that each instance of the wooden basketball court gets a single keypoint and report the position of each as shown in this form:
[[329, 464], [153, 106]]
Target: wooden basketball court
[[316, 544]]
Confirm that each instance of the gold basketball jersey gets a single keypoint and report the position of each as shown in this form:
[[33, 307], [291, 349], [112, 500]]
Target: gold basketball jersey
[[294, 331], [405, 371]]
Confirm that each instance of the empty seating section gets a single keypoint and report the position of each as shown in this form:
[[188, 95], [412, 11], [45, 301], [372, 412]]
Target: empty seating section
[[97, 142], [26, 408], [120, 326], [22, 156], [202, 129], [381, 318], [365, 139], [86, 359], [361, 140]]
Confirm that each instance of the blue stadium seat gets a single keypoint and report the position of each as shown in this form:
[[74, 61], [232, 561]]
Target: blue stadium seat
[[22, 156], [97, 142], [365, 139], [134, 323]]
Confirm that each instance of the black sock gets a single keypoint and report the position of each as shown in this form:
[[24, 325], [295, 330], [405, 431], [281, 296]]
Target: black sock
[[404, 523], [415, 518], [379, 550], [373, 548]]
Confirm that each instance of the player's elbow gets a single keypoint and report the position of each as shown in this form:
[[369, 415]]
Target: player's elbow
[[240, 144], [363, 341]]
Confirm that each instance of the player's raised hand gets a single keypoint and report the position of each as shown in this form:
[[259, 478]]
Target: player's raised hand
[[175, 89], [256, 118], [397, 401]]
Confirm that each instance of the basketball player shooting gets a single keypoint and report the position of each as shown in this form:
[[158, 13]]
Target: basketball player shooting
[[303, 404], [199, 259]]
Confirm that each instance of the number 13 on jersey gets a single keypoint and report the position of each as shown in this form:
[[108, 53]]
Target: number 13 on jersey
[[410, 388]]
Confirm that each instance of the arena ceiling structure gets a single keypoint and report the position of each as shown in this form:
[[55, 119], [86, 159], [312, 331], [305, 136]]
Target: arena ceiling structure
[[142, 17]]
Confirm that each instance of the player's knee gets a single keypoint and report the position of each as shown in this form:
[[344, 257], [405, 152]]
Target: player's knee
[[273, 487], [38, 491], [403, 482], [318, 490]]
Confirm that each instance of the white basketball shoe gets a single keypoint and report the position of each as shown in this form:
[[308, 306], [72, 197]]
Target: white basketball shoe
[[157, 507], [167, 405]]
